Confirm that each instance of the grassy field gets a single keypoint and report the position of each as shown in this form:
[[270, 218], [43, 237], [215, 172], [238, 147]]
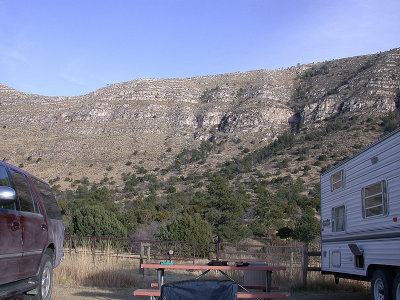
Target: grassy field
[[80, 269]]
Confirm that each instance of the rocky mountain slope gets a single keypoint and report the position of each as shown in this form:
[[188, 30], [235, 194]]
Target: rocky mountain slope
[[147, 122]]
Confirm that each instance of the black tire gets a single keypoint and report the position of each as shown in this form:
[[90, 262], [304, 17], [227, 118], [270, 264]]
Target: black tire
[[381, 285], [45, 287], [396, 287]]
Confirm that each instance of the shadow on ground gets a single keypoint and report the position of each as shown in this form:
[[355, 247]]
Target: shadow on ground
[[81, 293]]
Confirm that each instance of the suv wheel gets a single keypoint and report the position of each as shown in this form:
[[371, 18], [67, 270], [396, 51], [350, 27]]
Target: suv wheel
[[45, 287]]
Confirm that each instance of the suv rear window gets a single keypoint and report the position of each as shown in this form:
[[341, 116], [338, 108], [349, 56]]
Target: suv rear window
[[48, 199]]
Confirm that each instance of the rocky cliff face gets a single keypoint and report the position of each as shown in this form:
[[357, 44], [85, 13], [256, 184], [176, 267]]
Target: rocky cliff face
[[138, 120], [365, 83]]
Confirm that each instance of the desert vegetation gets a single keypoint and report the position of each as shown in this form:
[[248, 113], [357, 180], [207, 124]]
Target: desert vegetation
[[270, 191]]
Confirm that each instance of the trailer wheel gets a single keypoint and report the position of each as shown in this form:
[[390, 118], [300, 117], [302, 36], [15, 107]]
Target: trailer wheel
[[381, 285], [396, 287]]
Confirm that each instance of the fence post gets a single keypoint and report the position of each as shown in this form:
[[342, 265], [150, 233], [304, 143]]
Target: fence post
[[141, 270], [291, 263], [304, 263], [94, 249], [194, 252], [148, 252], [141, 260]]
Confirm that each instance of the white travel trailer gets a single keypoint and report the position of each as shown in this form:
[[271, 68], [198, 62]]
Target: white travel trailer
[[360, 218]]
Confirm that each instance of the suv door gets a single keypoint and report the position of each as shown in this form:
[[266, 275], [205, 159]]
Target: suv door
[[34, 226], [10, 236]]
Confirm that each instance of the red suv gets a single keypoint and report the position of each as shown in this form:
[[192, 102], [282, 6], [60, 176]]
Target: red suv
[[31, 235]]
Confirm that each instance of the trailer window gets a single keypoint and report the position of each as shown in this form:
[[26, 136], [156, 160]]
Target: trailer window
[[337, 180], [339, 219], [374, 199]]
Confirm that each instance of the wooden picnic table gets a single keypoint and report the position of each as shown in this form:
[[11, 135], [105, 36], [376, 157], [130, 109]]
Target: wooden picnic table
[[160, 268]]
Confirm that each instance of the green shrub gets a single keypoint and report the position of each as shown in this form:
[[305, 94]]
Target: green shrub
[[357, 146], [284, 233], [187, 228], [171, 189], [307, 228], [322, 157], [141, 170], [301, 158], [96, 221]]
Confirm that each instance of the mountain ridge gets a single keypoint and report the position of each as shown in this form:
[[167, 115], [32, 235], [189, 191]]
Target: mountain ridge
[[149, 121]]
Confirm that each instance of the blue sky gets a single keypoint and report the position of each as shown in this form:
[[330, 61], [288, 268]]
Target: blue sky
[[73, 47]]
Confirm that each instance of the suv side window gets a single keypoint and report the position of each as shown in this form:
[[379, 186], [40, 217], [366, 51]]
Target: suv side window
[[48, 199], [22, 187], [5, 181]]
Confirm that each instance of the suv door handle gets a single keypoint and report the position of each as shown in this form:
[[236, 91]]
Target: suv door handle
[[15, 225], [44, 227]]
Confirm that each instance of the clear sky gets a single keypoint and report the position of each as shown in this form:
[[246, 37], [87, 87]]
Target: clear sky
[[73, 47]]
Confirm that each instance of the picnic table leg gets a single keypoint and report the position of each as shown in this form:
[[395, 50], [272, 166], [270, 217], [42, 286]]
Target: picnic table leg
[[268, 281], [160, 278], [233, 280], [202, 274]]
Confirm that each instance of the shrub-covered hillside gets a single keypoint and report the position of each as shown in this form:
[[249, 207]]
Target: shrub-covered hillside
[[266, 192]]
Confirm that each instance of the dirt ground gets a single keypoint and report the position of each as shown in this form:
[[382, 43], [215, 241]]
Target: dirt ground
[[88, 293], [66, 292], [83, 293]]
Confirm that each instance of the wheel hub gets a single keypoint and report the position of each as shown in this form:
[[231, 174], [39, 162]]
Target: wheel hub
[[379, 293], [46, 281]]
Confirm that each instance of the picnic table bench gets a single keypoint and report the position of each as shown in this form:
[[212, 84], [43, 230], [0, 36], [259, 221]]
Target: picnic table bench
[[239, 295]]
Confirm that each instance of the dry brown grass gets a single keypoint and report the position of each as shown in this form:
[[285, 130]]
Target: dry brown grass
[[83, 269], [317, 282]]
